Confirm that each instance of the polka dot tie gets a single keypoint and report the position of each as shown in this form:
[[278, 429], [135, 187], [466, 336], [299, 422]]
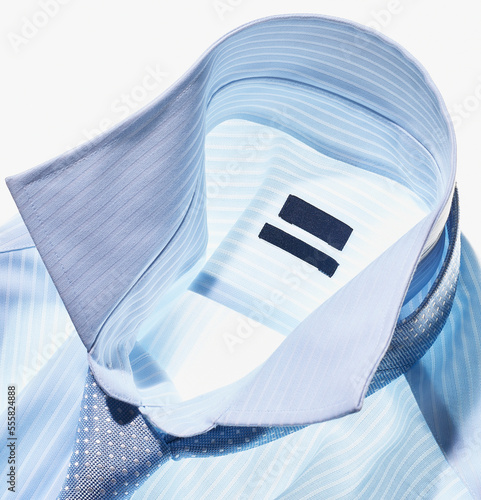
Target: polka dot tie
[[116, 450]]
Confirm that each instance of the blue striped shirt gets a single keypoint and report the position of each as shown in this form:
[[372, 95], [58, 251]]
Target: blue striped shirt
[[253, 288]]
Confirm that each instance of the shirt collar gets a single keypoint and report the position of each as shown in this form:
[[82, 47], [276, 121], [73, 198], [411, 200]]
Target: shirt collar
[[128, 209]]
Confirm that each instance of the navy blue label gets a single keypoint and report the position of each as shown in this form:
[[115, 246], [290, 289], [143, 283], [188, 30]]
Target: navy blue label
[[315, 221], [299, 249]]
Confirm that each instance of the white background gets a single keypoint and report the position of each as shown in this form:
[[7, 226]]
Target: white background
[[71, 67]]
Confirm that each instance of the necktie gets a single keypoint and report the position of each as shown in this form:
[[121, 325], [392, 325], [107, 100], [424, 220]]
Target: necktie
[[116, 450]]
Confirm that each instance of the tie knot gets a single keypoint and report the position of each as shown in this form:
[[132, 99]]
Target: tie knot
[[115, 450]]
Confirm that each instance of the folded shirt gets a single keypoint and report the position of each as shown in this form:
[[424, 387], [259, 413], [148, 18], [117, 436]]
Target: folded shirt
[[254, 287]]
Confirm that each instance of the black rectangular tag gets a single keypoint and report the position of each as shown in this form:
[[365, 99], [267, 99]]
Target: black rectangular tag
[[299, 249], [315, 221]]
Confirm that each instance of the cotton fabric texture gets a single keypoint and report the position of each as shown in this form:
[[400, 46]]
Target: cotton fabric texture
[[254, 287]]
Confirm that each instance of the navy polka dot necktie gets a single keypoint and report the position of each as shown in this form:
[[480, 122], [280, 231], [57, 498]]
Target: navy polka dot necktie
[[116, 450]]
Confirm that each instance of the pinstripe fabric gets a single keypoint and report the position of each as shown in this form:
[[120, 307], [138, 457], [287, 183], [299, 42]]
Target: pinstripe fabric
[[153, 248], [47, 416], [29, 303], [450, 398]]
